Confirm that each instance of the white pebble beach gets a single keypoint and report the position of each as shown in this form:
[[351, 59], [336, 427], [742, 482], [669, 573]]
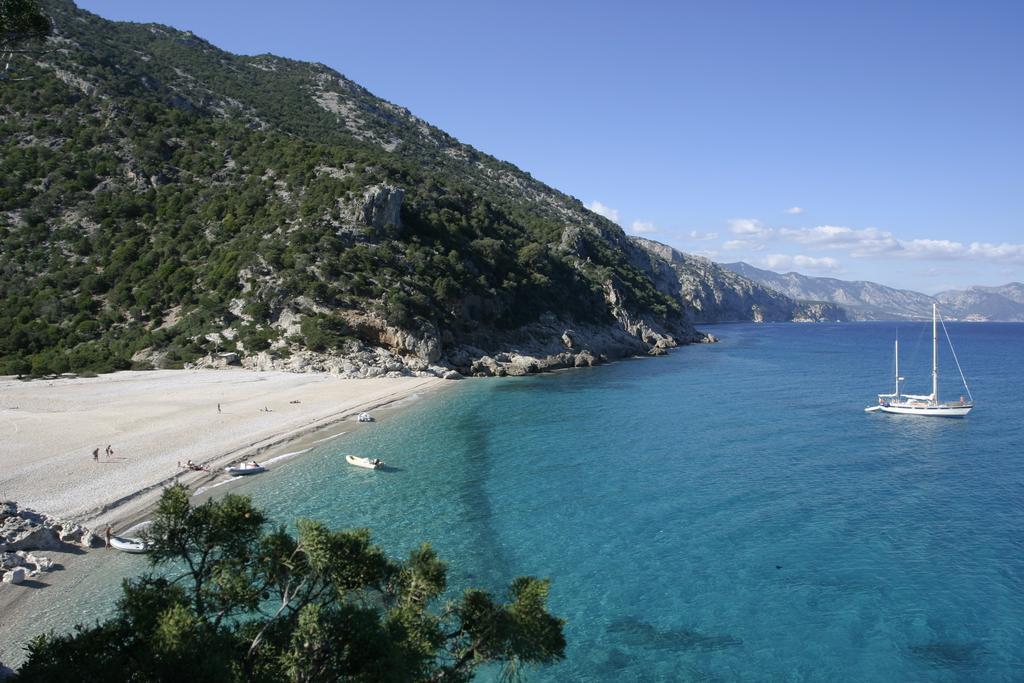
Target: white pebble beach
[[155, 420]]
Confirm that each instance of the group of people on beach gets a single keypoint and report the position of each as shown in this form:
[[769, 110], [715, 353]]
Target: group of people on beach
[[195, 467], [96, 453]]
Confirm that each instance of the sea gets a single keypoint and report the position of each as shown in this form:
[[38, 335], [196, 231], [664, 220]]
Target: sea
[[725, 512]]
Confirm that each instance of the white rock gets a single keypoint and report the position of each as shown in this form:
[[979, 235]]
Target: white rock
[[15, 576]]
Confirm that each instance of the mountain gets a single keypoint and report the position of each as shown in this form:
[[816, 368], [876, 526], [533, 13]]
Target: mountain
[[711, 293], [871, 301], [1005, 302], [164, 202], [862, 300]]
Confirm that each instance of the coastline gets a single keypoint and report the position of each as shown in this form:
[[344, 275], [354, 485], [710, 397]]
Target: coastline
[[153, 420]]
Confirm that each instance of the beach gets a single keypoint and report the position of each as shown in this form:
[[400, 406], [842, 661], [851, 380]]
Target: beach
[[155, 420]]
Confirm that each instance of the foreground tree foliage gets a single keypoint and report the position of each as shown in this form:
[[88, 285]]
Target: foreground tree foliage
[[253, 604], [23, 24]]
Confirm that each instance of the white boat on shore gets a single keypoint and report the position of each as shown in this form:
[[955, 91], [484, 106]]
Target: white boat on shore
[[365, 417], [927, 405], [129, 545], [245, 468], [368, 463]]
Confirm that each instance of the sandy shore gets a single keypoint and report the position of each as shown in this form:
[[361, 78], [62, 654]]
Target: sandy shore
[[153, 421]]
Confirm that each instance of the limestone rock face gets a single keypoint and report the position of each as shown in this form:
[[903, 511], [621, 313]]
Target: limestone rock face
[[424, 345], [709, 292], [381, 208]]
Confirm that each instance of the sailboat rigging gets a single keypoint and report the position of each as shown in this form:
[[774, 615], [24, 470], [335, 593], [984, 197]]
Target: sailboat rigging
[[929, 405]]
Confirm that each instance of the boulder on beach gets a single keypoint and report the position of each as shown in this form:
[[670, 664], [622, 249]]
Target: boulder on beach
[[25, 529], [15, 576], [17, 533]]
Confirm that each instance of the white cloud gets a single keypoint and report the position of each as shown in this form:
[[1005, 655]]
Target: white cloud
[[975, 251], [749, 245], [858, 242], [640, 227], [794, 210], [749, 227], [702, 236], [872, 242], [932, 249], [1007, 253], [602, 210], [824, 264]]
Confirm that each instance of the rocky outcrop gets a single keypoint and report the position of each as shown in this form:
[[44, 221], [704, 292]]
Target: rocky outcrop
[[554, 344], [818, 311], [357, 361], [421, 342], [380, 208], [24, 530], [860, 300], [709, 293], [1003, 303]]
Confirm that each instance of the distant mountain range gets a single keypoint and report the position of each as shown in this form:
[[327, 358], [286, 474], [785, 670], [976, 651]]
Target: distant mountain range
[[709, 293], [865, 300]]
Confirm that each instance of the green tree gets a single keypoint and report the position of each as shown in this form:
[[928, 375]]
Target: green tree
[[22, 22], [238, 601]]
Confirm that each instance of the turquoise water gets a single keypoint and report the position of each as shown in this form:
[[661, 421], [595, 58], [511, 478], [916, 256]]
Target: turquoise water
[[728, 512]]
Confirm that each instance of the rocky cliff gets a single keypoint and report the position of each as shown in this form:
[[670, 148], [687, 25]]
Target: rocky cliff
[[1004, 303], [708, 292], [864, 300]]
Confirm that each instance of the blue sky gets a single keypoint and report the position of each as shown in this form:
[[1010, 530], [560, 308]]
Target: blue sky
[[867, 140]]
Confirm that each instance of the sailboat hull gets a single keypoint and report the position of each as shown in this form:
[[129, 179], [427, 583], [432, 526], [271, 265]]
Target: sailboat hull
[[928, 411], [899, 403]]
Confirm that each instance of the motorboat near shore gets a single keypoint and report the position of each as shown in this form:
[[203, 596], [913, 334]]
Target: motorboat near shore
[[135, 546], [251, 467], [368, 463], [365, 417]]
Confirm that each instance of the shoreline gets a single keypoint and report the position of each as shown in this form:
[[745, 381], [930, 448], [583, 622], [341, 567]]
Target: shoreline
[[37, 409], [156, 420]]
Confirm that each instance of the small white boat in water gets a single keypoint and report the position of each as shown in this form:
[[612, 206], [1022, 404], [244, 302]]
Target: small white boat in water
[[252, 467], [368, 463], [365, 417], [129, 545], [927, 405]]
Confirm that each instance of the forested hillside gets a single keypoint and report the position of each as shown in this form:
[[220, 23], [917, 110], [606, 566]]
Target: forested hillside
[[162, 201]]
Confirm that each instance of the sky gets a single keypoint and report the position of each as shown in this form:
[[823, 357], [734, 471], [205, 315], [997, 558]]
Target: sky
[[868, 140]]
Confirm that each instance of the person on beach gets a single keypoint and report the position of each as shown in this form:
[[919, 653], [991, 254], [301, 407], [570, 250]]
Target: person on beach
[[110, 451], [218, 409], [96, 454], [109, 532]]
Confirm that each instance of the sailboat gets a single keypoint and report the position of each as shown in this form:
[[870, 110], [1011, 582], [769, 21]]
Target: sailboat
[[930, 405]]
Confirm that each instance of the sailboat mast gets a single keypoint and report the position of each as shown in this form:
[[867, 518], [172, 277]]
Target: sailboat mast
[[897, 370], [935, 353]]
